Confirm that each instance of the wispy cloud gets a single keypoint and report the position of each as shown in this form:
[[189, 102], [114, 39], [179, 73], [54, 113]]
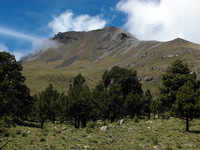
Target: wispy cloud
[[162, 19], [34, 42], [17, 34], [67, 22], [3, 47]]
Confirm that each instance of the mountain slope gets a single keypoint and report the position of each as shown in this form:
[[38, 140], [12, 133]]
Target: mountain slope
[[65, 55]]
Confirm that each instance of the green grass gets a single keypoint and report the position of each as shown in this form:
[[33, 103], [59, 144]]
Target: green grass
[[164, 134]]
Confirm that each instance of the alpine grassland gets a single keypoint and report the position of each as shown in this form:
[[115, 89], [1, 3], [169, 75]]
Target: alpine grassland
[[144, 134]]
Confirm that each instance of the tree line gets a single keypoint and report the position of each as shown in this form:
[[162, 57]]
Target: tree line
[[118, 94]]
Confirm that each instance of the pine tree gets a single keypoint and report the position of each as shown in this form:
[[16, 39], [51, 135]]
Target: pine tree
[[147, 100], [47, 105], [15, 99], [101, 102], [124, 90], [80, 101], [173, 80], [187, 103]]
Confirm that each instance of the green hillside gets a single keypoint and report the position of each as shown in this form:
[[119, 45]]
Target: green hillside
[[91, 53]]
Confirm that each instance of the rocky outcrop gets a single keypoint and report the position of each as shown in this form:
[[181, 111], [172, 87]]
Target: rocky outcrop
[[68, 62]]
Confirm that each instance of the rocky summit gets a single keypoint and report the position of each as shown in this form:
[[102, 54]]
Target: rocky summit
[[91, 53]]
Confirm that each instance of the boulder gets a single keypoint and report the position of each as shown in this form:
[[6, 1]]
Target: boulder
[[104, 128], [149, 122], [129, 129], [121, 122], [64, 128], [86, 147], [155, 147]]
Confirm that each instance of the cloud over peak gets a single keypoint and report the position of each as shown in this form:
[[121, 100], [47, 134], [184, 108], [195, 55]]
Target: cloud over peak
[[67, 22], [162, 19]]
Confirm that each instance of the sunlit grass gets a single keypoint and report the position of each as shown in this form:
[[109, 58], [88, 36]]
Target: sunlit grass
[[164, 134]]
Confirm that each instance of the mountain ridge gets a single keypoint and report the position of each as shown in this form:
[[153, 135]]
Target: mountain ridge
[[91, 53]]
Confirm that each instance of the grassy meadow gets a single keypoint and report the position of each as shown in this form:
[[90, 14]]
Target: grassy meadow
[[133, 134]]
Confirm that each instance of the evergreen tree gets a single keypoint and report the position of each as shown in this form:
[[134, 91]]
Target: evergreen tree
[[187, 104], [42, 107], [47, 105], [155, 106], [124, 90], [53, 96], [127, 79], [15, 99], [80, 101], [101, 102], [63, 108], [147, 100], [116, 102], [133, 104], [172, 80]]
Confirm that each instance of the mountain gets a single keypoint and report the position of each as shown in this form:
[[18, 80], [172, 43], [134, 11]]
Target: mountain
[[91, 53]]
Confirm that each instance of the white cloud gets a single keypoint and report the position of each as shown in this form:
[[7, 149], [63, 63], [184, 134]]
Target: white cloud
[[162, 20], [67, 22]]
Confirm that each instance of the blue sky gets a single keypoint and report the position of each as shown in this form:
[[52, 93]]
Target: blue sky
[[24, 24]]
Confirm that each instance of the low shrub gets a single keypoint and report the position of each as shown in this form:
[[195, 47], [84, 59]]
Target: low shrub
[[42, 139], [136, 119], [24, 134], [18, 131], [91, 124], [155, 140]]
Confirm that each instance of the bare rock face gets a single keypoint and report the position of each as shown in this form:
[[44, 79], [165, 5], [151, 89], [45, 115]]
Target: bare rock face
[[68, 62], [68, 37]]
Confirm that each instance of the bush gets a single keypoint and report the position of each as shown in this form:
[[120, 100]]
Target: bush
[[178, 145], [136, 119], [168, 147], [45, 134], [12, 134], [42, 139], [6, 134], [91, 124], [24, 134], [155, 140], [89, 130], [18, 132], [104, 123], [6, 121]]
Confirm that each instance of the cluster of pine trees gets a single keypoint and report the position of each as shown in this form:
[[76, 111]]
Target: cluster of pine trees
[[119, 94]]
